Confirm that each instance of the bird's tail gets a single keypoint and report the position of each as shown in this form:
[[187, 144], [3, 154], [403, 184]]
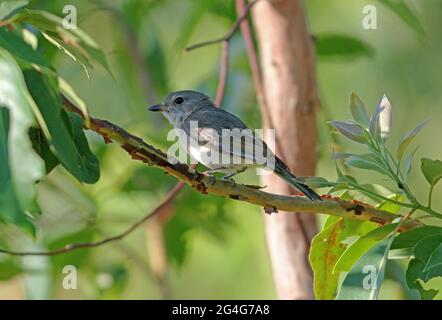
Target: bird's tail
[[282, 171]]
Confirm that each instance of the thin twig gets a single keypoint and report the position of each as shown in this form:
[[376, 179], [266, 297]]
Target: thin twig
[[230, 34], [223, 74]]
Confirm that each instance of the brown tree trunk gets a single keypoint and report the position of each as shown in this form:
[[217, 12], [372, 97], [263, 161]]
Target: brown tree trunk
[[288, 70]]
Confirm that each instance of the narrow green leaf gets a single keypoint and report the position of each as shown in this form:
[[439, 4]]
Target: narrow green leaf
[[374, 124], [403, 11], [342, 47], [392, 207], [432, 170], [66, 131], [364, 280], [358, 110], [407, 138], [409, 161], [368, 162]]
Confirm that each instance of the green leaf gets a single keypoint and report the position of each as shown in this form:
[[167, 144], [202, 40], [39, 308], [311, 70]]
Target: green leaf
[[66, 130], [435, 259], [432, 170], [85, 46], [341, 46], [410, 238], [41, 146], [317, 182], [358, 248], [390, 206], [368, 162], [403, 11], [326, 248], [358, 109], [12, 42], [407, 138], [20, 165], [409, 160], [364, 280], [9, 8], [9, 269], [374, 124], [416, 272], [350, 130]]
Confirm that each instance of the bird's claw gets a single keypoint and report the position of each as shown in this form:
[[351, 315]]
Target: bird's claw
[[230, 180]]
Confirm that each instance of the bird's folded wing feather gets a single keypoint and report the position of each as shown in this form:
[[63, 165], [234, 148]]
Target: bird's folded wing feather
[[237, 140]]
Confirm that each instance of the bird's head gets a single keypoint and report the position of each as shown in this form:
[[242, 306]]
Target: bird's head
[[180, 104]]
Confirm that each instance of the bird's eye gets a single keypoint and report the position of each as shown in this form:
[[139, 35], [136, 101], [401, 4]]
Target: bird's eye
[[179, 100]]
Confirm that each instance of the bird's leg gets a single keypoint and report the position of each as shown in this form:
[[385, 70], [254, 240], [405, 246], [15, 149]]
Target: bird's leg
[[209, 173]]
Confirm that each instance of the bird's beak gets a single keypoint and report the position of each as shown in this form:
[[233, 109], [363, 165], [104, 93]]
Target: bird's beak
[[158, 107]]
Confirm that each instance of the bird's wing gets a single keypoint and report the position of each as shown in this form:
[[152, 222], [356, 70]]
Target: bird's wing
[[237, 140]]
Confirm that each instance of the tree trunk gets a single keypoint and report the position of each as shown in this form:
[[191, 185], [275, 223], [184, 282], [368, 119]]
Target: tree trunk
[[288, 70]]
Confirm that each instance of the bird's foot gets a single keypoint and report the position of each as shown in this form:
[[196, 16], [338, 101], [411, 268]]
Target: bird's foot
[[209, 174], [229, 179]]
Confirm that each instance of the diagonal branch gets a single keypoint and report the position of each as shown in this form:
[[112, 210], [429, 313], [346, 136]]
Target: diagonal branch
[[142, 151]]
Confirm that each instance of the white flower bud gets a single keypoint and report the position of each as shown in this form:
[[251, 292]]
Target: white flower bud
[[385, 117]]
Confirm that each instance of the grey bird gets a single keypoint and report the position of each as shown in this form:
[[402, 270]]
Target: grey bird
[[206, 140]]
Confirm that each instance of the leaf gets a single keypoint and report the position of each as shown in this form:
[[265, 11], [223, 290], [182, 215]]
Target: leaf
[[416, 268], [9, 269], [9, 8], [317, 182], [74, 38], [326, 248], [41, 146], [364, 280], [409, 161], [407, 138], [66, 130], [350, 130], [341, 46], [390, 206], [403, 11], [435, 259], [410, 238], [358, 248], [12, 42], [432, 170], [20, 165], [366, 161], [358, 109]]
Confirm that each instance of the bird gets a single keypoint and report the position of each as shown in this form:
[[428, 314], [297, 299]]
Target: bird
[[207, 134]]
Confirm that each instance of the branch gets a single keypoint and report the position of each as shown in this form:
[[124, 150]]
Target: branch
[[140, 150], [230, 34]]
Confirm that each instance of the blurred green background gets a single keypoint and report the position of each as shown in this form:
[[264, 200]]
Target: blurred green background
[[215, 248]]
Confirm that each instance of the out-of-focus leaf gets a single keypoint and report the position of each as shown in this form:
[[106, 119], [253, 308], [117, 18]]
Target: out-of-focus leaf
[[410, 238], [432, 170], [366, 161], [326, 248], [403, 11], [350, 130], [361, 246], [341, 46], [12, 42], [358, 109], [409, 161], [41, 146], [317, 182], [20, 165], [407, 138], [66, 130], [9, 269], [422, 253], [364, 280], [9, 8]]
